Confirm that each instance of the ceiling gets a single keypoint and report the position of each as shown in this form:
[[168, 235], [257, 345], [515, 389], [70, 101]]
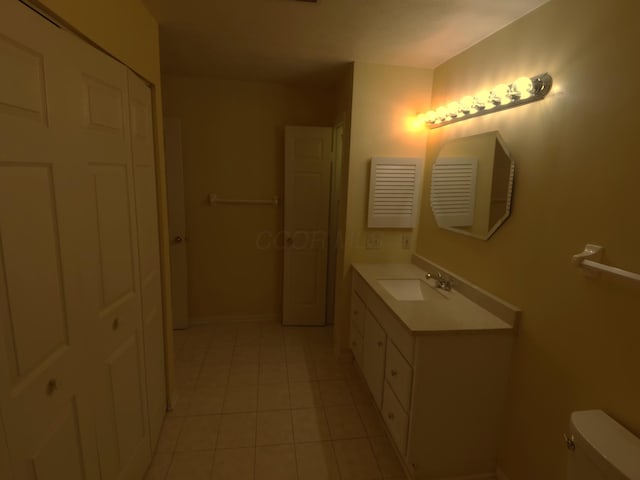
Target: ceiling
[[300, 42]]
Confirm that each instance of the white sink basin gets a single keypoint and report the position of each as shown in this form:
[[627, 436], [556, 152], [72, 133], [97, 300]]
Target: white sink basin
[[409, 289], [403, 288]]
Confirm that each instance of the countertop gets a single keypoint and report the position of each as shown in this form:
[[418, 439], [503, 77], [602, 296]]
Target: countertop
[[438, 313]]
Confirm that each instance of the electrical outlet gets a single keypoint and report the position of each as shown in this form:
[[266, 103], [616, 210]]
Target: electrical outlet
[[406, 241], [374, 240]]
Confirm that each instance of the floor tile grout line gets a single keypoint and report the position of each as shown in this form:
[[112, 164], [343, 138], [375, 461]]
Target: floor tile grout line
[[312, 356], [335, 458]]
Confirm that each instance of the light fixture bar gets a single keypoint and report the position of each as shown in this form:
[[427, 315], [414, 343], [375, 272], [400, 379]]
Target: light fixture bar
[[520, 92]]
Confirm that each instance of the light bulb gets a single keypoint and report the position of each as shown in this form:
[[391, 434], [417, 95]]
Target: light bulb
[[500, 94], [453, 109], [431, 117], [482, 101], [522, 88], [441, 112], [466, 104]]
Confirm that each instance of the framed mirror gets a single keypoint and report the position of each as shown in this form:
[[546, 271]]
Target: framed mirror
[[471, 185]]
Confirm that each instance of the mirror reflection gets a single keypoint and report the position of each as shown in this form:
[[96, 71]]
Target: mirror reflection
[[471, 183]]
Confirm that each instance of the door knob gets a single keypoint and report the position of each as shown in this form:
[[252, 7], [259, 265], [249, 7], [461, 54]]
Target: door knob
[[178, 239]]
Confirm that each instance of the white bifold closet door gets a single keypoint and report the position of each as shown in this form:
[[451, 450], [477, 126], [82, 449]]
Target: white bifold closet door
[[105, 143], [81, 347], [48, 292]]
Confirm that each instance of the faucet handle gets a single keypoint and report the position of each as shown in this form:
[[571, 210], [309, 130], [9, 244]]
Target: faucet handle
[[442, 281]]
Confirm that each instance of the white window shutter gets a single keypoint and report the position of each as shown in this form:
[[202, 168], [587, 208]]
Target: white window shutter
[[394, 192], [453, 191]]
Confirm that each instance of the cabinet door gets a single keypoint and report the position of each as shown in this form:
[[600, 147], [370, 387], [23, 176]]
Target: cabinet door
[[375, 343], [396, 419], [47, 298], [357, 312], [356, 342]]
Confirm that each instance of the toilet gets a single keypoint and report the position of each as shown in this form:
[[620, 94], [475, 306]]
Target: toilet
[[601, 449]]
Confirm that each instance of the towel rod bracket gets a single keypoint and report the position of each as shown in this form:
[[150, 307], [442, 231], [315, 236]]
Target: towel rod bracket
[[591, 252]]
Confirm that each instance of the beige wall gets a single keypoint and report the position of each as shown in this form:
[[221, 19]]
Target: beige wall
[[233, 145], [384, 102], [124, 28], [577, 172]]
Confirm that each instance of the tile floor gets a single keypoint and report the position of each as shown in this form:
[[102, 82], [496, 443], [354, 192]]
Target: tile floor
[[266, 402]]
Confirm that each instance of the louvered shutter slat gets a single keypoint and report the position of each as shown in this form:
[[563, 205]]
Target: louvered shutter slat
[[453, 191], [394, 192]]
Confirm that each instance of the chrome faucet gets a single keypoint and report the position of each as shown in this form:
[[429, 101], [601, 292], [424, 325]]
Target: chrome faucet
[[442, 281]]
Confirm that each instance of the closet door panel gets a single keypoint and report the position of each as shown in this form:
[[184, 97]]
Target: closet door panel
[[54, 455], [142, 144], [104, 142], [47, 293], [31, 239], [127, 397], [115, 232]]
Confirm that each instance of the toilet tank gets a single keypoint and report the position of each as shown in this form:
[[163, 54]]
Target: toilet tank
[[604, 449]]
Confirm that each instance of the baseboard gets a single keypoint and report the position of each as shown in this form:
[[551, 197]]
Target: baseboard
[[215, 319]]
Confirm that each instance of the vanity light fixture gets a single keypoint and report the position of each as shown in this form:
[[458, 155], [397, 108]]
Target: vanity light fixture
[[521, 91]]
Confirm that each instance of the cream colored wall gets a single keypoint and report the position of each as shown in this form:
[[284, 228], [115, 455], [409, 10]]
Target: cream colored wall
[[385, 100], [233, 145], [577, 171], [127, 31]]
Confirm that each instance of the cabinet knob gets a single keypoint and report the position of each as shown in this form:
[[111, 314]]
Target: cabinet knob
[[393, 373], [115, 324], [380, 344], [390, 416], [52, 386], [569, 441]]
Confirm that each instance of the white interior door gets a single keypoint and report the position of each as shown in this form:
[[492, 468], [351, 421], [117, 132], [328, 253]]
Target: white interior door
[[177, 223], [142, 146], [306, 222], [336, 175], [47, 298]]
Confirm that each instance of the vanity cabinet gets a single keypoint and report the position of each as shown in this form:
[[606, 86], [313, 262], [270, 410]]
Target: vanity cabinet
[[440, 392]]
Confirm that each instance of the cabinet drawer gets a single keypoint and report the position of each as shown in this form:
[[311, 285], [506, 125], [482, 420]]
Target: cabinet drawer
[[396, 418], [356, 342], [399, 375], [357, 312]]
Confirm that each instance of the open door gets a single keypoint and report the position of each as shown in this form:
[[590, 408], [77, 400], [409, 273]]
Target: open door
[[177, 223], [306, 222]]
